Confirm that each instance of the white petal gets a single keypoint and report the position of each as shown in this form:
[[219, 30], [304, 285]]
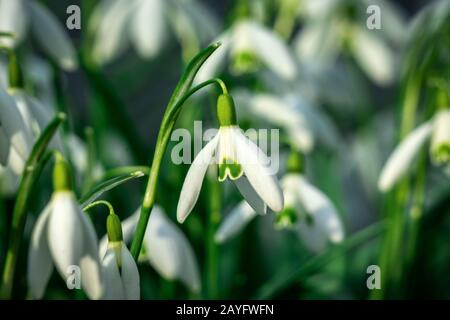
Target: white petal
[[65, 232], [13, 18], [215, 62], [273, 51], [234, 222], [251, 197], [326, 226], [13, 127], [89, 262], [441, 134], [130, 276], [169, 251], [194, 179], [52, 36], [112, 281], [148, 28], [256, 168], [100, 11], [16, 162], [9, 182], [280, 112], [400, 161], [374, 56], [318, 43], [111, 36], [40, 264]]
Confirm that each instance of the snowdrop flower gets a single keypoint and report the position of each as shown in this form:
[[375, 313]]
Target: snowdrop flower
[[307, 211], [120, 273], [22, 16], [247, 43], [16, 140], [329, 33], [239, 160], [401, 160], [303, 122], [146, 23], [63, 237], [165, 247]]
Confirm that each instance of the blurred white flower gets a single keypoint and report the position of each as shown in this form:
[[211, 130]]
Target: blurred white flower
[[39, 74], [402, 158], [146, 24], [22, 16], [330, 32], [303, 122], [78, 155], [247, 44], [34, 114], [240, 160], [165, 247], [63, 236], [16, 139], [307, 211]]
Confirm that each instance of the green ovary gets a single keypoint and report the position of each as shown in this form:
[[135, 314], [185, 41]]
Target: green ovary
[[441, 154], [286, 218], [231, 169], [245, 62]]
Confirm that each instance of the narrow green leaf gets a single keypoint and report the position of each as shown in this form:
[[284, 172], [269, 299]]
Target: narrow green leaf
[[33, 168], [109, 182]]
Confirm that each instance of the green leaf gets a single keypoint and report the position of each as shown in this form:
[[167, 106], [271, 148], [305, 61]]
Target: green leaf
[[111, 180], [31, 173]]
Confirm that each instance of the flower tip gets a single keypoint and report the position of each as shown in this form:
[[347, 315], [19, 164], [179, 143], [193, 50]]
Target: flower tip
[[217, 44], [181, 218], [138, 174], [383, 185], [69, 64]]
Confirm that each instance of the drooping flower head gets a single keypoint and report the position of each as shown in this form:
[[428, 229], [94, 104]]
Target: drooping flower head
[[401, 161], [239, 160], [29, 16], [166, 248], [64, 237], [120, 273], [307, 211]]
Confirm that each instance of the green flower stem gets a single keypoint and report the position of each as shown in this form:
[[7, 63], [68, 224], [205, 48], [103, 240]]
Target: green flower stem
[[100, 202], [285, 20], [33, 167], [92, 159], [416, 211], [283, 279], [182, 92], [212, 254]]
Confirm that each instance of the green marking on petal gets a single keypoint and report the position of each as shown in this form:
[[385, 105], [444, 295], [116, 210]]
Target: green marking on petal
[[441, 154], [286, 218], [245, 62], [230, 169]]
